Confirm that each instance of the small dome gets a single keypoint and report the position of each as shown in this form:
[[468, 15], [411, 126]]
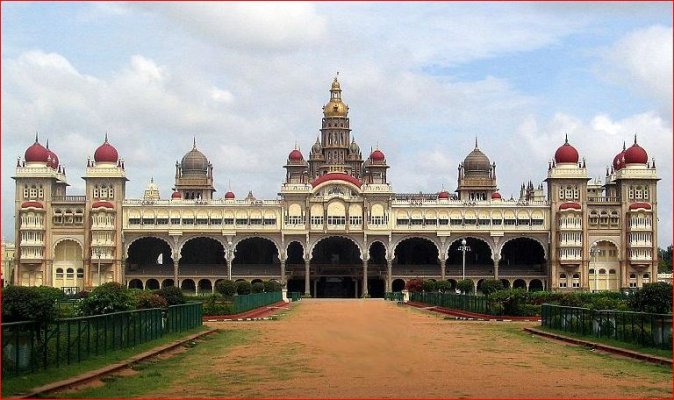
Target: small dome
[[176, 195], [106, 153], [104, 204], [636, 154], [377, 155], [31, 204], [640, 205], [36, 153], [52, 158], [335, 107], [570, 206], [295, 155], [194, 163], [496, 196], [230, 195], [444, 195], [619, 160], [566, 154], [476, 161]]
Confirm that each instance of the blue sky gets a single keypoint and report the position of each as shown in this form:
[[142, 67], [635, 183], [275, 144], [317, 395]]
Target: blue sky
[[422, 81]]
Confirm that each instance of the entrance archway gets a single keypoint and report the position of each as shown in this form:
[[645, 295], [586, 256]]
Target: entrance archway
[[337, 268], [136, 284], [68, 258], [152, 284], [479, 260], [603, 266], [256, 256], [149, 255], [522, 256], [416, 257], [398, 285], [376, 268]]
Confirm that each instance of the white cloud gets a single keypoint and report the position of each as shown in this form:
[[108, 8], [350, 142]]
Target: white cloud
[[642, 61]]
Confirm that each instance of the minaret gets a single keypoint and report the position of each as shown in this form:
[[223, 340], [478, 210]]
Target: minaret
[[335, 134]]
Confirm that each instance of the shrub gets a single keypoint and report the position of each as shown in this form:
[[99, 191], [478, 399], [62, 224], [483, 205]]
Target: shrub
[[443, 286], [272, 286], [172, 294], [226, 287], [243, 287], [652, 298], [490, 286], [146, 299], [414, 285], [215, 304], [21, 303], [105, 299], [511, 302], [465, 286], [429, 285], [257, 287]]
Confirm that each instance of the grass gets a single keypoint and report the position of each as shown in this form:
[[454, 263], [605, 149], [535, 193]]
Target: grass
[[667, 353], [22, 384], [157, 376]]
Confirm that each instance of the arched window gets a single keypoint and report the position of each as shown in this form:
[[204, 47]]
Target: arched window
[[59, 273], [80, 273], [70, 273], [562, 276]]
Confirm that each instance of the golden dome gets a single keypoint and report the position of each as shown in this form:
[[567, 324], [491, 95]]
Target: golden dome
[[335, 107]]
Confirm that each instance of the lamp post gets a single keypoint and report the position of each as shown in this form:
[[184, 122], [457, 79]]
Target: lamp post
[[98, 254], [593, 255], [463, 249]]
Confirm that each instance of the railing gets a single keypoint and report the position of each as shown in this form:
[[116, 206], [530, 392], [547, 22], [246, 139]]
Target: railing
[[69, 199], [29, 347], [243, 303], [476, 304], [649, 330], [394, 296]]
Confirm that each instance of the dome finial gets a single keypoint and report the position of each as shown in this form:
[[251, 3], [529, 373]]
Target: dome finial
[[566, 138], [106, 137], [475, 142], [36, 137], [152, 179], [635, 138], [624, 147], [194, 142], [47, 144]]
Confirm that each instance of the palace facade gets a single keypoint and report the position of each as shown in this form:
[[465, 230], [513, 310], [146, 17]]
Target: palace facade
[[336, 228]]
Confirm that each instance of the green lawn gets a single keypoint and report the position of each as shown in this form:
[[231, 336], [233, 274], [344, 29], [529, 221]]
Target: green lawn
[[23, 384]]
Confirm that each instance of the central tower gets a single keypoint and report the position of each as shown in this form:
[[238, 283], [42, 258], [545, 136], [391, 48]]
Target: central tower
[[335, 151]]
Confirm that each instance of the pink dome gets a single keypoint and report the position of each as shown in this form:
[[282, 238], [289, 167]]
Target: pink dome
[[105, 204], [443, 195], [230, 195], [295, 155], [377, 155], [619, 160], [106, 153], [176, 195], [496, 196], [566, 154], [636, 155]]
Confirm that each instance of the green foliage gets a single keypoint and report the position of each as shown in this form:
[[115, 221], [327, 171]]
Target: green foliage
[[509, 302], [226, 287], [490, 286], [272, 286], [145, 299], [243, 287], [429, 285], [443, 286], [414, 285], [216, 304], [652, 298], [21, 303], [665, 259], [465, 286], [105, 299], [257, 287], [172, 294]]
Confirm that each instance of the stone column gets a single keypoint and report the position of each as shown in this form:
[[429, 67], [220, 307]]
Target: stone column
[[389, 275], [442, 268], [283, 272], [307, 287], [496, 260], [229, 259], [365, 293], [175, 273]]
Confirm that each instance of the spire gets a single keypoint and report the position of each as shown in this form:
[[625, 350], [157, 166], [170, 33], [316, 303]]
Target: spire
[[106, 137], [194, 143], [36, 137], [635, 138], [476, 143], [47, 144], [566, 138], [624, 147], [152, 179]]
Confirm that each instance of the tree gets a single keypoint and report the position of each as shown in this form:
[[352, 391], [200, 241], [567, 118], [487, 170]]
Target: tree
[[665, 259], [172, 294], [443, 286], [490, 286], [257, 287], [414, 285], [429, 285], [243, 287], [226, 287], [652, 298], [105, 299], [465, 286], [272, 286], [145, 299], [22, 303]]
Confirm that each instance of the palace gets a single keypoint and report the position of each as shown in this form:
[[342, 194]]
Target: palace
[[337, 229]]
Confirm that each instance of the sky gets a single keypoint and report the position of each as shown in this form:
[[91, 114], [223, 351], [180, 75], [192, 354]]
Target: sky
[[422, 80]]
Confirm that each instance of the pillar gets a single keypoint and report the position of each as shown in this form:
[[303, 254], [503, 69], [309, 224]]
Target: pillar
[[307, 287], [389, 275], [175, 273], [356, 282], [496, 268], [283, 272], [365, 293], [316, 288], [442, 268], [229, 265]]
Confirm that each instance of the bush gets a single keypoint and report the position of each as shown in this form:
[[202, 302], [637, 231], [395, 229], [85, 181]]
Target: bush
[[490, 286], [429, 286], [443, 286], [511, 302], [22, 303], [272, 286], [257, 287], [226, 287], [105, 299], [652, 298], [243, 287], [147, 299], [215, 304], [172, 294], [465, 286], [414, 285]]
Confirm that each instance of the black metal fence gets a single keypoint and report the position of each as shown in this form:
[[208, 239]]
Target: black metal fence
[[28, 347], [465, 302], [644, 329]]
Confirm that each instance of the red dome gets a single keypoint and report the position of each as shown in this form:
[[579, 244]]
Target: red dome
[[496, 196], [566, 153], [31, 204], [36, 153], [105, 204], [635, 206], [619, 160], [295, 155], [52, 159], [636, 155], [176, 195], [229, 195], [106, 153], [570, 205], [336, 176], [443, 195], [377, 155]]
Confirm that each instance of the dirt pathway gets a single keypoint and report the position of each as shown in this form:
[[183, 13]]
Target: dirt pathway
[[372, 348]]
